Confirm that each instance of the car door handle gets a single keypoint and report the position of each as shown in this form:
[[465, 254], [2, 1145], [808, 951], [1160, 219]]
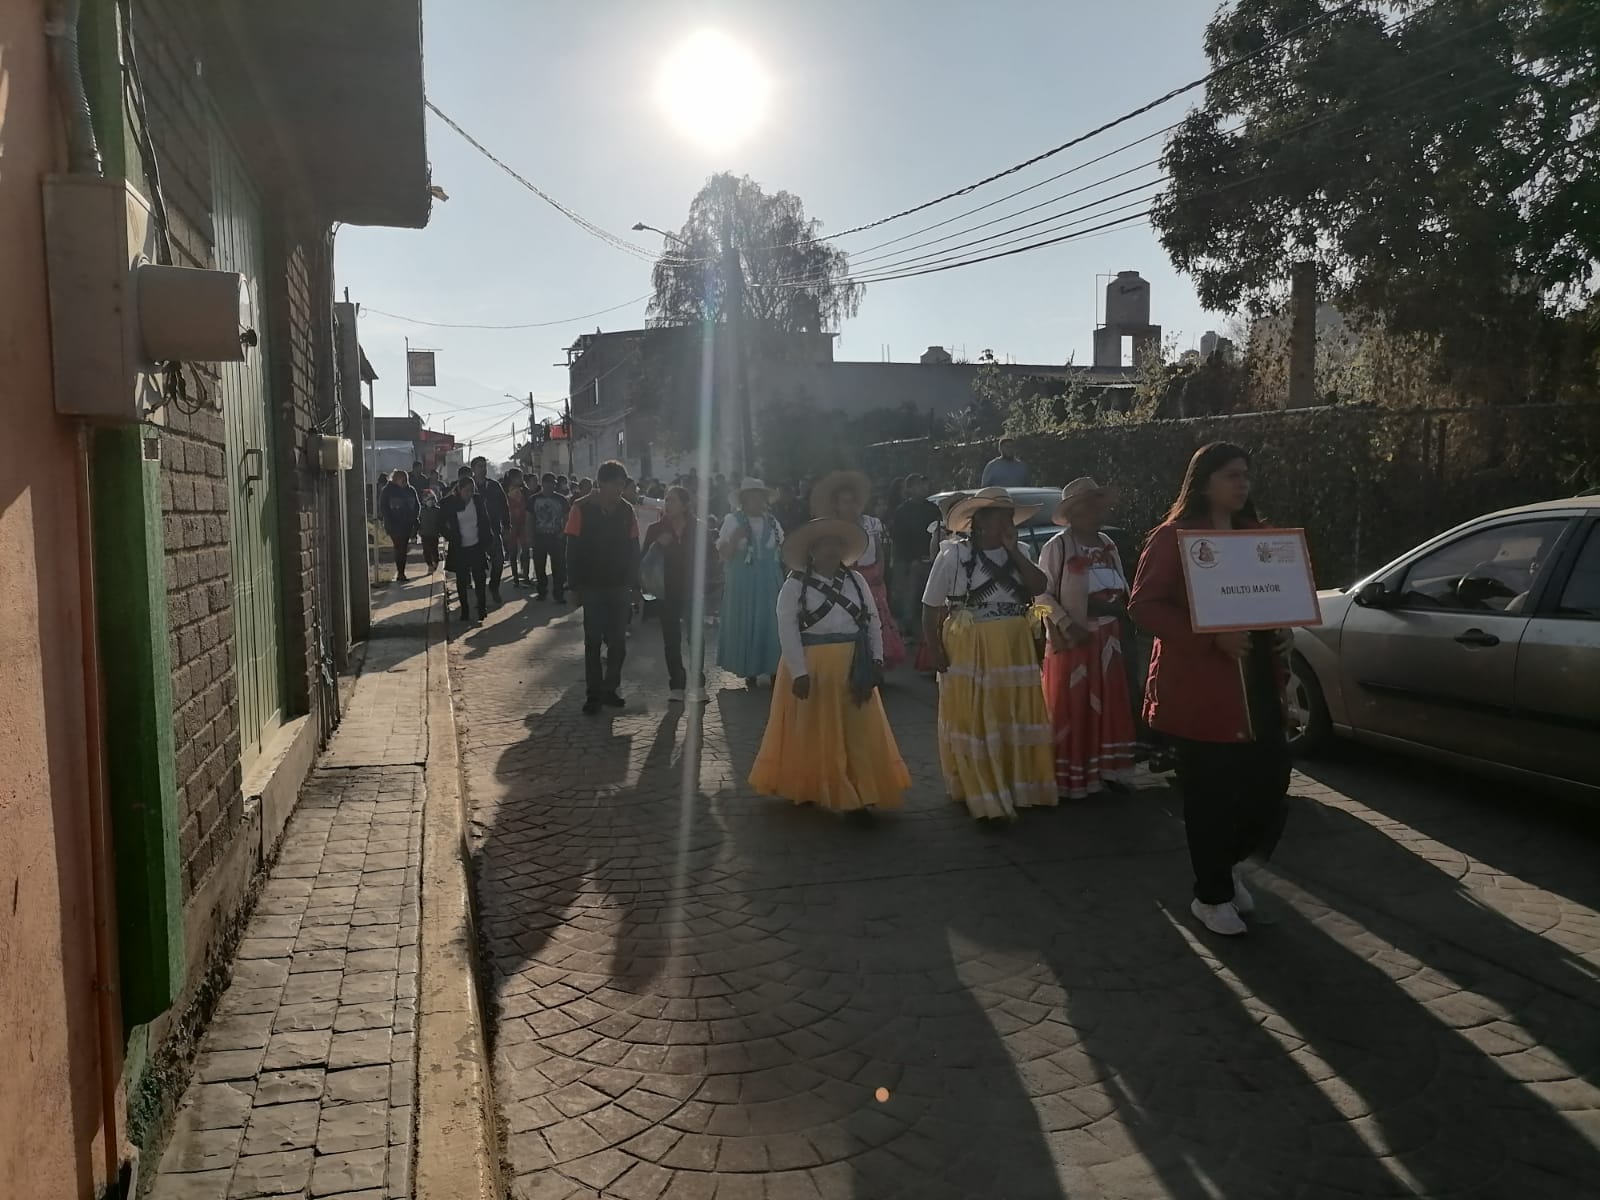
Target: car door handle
[[1477, 637]]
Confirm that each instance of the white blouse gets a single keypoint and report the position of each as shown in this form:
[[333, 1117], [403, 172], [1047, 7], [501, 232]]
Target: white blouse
[[730, 526], [837, 620], [947, 579], [874, 531], [1104, 572]]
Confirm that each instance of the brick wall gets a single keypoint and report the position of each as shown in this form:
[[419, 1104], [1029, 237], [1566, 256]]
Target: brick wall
[[194, 482], [176, 63]]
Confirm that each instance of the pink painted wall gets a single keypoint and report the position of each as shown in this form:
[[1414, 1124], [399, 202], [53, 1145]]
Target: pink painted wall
[[49, 1090]]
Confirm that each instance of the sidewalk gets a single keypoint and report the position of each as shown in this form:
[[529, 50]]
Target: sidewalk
[[306, 1079]]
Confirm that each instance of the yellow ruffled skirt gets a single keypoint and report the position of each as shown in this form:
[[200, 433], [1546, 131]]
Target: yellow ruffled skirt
[[996, 745], [825, 750]]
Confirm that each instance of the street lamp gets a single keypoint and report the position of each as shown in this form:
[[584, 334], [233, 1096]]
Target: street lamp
[[641, 227]]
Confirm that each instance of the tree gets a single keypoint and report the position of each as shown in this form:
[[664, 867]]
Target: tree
[[1439, 162], [793, 282]]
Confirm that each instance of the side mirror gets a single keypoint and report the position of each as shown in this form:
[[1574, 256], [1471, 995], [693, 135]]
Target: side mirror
[[1376, 594]]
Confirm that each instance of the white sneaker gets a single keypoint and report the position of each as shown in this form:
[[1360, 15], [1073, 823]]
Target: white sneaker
[[1243, 902], [675, 696], [1219, 918]]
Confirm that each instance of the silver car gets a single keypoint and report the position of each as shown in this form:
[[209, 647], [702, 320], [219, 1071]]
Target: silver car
[[1480, 647]]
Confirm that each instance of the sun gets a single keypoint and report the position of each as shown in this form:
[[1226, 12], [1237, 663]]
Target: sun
[[713, 90]]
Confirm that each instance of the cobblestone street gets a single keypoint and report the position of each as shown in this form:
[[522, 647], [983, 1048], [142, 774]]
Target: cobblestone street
[[696, 993]]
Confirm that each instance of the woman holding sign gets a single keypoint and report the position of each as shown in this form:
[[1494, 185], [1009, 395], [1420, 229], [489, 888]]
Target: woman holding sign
[[1218, 696]]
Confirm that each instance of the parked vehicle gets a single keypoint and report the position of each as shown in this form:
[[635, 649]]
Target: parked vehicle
[[1481, 648]]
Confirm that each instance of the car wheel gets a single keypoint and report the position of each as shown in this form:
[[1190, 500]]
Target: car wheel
[[1310, 728]]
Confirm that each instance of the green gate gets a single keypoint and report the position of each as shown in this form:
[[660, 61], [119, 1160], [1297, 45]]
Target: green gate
[[238, 237]]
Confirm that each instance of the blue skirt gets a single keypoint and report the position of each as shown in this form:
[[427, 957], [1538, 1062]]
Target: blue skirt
[[747, 640]]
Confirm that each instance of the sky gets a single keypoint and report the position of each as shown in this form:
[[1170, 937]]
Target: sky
[[872, 106]]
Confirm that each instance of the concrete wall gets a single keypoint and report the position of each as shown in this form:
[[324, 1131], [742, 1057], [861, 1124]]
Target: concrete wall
[[49, 1101]]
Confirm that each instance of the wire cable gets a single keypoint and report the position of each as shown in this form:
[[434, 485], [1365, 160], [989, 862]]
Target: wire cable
[[578, 219], [599, 312]]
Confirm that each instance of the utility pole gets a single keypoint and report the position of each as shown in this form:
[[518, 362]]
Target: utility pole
[[566, 418], [1303, 334]]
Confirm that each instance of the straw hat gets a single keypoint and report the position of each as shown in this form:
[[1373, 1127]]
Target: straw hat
[[751, 484], [797, 545], [949, 502], [826, 490], [960, 518], [1076, 493]]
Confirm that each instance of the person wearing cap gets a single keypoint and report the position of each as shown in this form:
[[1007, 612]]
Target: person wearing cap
[[843, 495], [1085, 676], [994, 731], [828, 740], [748, 543]]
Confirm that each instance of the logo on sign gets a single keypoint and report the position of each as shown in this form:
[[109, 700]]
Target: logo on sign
[[1203, 553], [1276, 552]]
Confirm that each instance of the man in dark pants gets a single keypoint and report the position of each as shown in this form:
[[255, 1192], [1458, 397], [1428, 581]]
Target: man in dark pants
[[603, 572], [494, 499], [466, 524], [547, 517]]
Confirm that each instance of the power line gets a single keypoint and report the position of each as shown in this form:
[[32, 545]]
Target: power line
[[890, 271], [599, 312], [576, 218], [1164, 98]]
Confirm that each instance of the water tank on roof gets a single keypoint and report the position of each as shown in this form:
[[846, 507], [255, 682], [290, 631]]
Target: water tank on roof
[[1128, 300], [936, 356]]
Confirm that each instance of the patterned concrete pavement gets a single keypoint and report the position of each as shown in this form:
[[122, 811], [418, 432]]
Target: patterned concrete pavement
[[703, 994]]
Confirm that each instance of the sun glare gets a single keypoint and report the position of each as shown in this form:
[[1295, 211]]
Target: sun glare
[[713, 90]]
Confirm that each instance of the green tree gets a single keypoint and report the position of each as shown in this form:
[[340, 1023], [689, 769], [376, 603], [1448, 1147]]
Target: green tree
[[1439, 161], [793, 282]]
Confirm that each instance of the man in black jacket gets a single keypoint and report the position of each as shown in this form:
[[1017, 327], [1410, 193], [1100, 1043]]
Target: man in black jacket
[[466, 531], [401, 511], [494, 497], [603, 573]]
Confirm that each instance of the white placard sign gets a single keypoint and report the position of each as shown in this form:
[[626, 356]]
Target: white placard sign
[[1248, 579]]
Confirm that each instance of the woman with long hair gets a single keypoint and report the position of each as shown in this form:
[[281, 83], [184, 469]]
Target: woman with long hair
[[994, 731], [828, 740], [1217, 696], [843, 496], [1085, 679], [749, 544], [676, 533]]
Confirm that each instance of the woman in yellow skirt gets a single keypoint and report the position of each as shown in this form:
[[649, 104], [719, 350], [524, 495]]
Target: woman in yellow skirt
[[996, 745], [828, 740]]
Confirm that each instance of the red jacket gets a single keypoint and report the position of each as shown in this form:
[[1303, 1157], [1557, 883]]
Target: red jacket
[[1194, 690]]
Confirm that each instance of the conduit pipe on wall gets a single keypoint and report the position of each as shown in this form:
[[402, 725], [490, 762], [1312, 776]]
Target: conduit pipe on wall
[[83, 158]]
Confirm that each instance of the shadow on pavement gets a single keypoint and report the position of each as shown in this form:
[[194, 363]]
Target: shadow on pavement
[[696, 982]]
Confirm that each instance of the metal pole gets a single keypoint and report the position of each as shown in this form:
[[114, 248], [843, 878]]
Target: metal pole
[[408, 379]]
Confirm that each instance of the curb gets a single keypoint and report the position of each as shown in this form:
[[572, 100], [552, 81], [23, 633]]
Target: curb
[[458, 1156]]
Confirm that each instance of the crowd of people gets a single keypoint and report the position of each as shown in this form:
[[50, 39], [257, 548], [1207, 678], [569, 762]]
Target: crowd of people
[[823, 584]]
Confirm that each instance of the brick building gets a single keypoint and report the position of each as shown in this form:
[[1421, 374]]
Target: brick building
[[196, 570]]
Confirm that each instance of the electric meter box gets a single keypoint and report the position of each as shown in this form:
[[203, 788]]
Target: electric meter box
[[114, 314]]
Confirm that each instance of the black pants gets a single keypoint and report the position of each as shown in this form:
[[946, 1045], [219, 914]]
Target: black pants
[[497, 566], [472, 562], [430, 550], [402, 548], [547, 547], [605, 620], [1233, 807], [670, 612]]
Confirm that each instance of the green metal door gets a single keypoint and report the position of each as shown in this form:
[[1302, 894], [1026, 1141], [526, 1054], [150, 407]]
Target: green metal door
[[238, 235]]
